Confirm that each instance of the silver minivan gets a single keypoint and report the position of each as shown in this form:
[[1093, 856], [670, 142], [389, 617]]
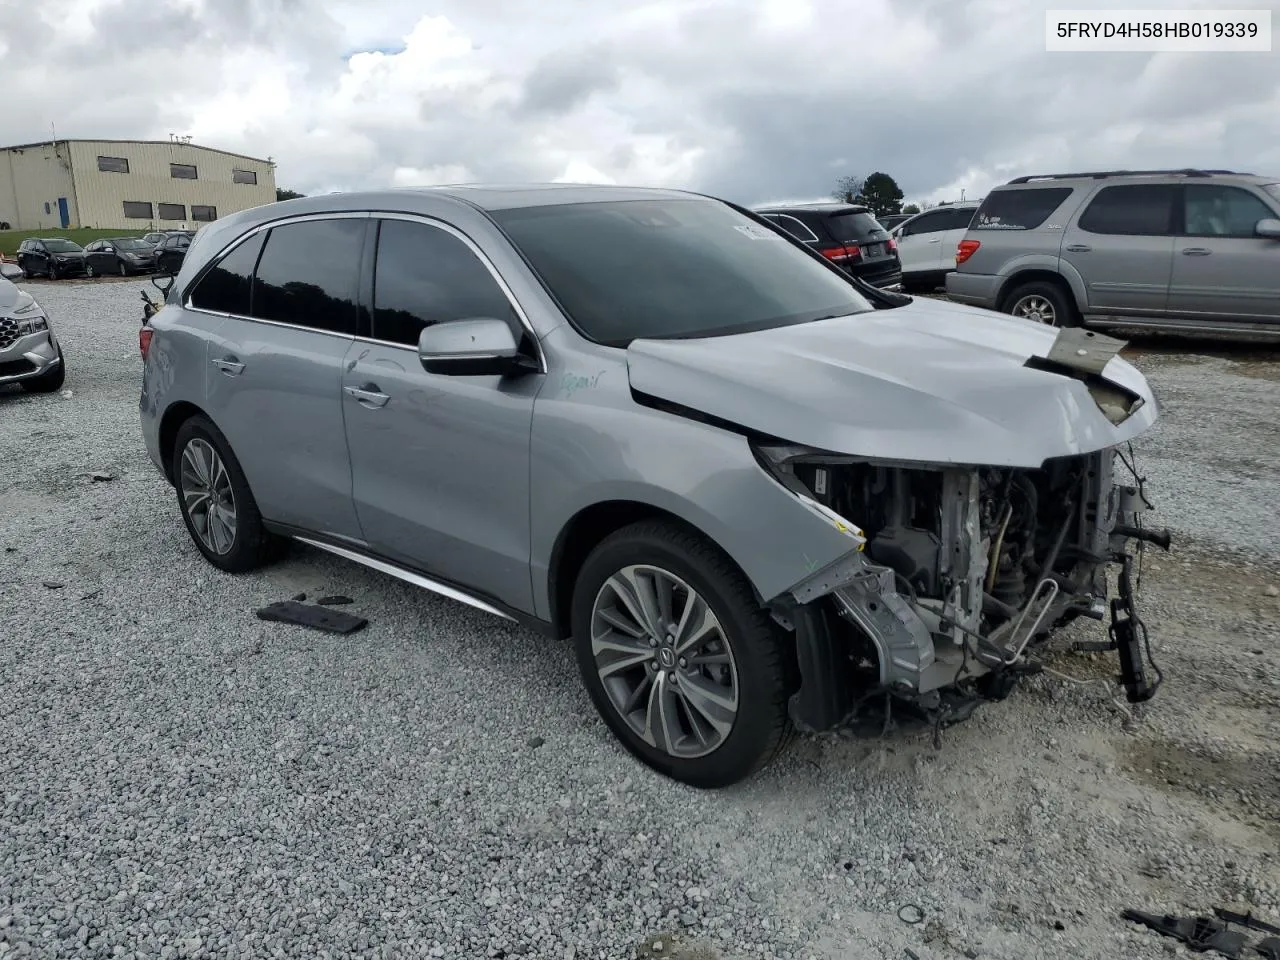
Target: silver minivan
[[1176, 250]]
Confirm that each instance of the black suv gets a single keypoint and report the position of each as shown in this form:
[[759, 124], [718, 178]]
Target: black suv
[[847, 234], [51, 257], [171, 251]]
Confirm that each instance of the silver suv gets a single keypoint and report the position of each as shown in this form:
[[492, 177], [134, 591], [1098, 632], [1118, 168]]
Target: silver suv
[[1176, 250], [757, 492], [30, 354]]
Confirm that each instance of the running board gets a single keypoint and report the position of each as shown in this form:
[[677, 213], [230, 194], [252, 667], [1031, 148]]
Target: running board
[[417, 579], [1176, 326]]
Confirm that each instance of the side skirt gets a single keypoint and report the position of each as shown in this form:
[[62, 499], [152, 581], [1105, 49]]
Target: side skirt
[[437, 585]]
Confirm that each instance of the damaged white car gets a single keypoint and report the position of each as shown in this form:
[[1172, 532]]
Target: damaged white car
[[756, 492]]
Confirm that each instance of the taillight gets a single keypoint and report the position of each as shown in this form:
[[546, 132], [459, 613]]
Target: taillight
[[966, 249], [893, 244], [843, 254], [144, 341]]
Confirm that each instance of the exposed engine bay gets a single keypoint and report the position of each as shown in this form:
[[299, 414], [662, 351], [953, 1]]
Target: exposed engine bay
[[962, 573]]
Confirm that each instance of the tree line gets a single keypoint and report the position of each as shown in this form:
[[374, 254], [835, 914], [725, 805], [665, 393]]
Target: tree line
[[877, 191]]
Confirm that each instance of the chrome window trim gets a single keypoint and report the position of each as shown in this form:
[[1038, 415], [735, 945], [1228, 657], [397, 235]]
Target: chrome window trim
[[364, 215], [813, 237]]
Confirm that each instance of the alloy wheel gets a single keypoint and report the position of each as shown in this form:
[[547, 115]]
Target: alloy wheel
[[207, 494], [1037, 308], [664, 661]]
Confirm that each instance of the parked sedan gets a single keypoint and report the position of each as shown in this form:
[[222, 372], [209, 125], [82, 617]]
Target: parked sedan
[[119, 255], [52, 257]]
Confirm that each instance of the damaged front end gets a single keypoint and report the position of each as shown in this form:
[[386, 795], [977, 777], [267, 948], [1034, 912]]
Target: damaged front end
[[960, 572]]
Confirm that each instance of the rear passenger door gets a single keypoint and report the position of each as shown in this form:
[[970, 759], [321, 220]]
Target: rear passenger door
[[440, 464], [274, 367], [1121, 245], [920, 242], [1221, 268]]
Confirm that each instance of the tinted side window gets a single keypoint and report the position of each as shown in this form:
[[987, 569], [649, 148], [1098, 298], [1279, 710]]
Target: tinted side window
[[928, 223], [226, 287], [959, 218], [308, 274], [1134, 210], [793, 225], [1023, 209], [1221, 211], [423, 276]]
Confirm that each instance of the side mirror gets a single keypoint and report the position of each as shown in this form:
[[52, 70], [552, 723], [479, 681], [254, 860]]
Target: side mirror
[[10, 271], [1269, 228], [162, 282], [474, 347]]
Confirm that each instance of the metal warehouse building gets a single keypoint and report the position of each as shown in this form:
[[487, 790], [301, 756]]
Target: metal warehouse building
[[132, 185]]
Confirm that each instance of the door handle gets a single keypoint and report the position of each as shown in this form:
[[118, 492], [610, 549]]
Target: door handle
[[1079, 248], [232, 368], [936, 240], [368, 395], [1196, 252]]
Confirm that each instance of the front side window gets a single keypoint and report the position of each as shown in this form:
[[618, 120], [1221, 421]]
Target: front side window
[[1021, 209], [424, 276], [628, 269], [1213, 210], [925, 223], [1133, 210], [226, 287], [308, 272]]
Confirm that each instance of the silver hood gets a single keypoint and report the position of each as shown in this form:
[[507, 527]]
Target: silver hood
[[9, 294], [931, 381]]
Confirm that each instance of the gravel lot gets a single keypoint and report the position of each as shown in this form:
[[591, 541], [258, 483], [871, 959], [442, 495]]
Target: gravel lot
[[180, 779]]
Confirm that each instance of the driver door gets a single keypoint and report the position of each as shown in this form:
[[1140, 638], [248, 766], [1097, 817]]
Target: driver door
[[439, 463]]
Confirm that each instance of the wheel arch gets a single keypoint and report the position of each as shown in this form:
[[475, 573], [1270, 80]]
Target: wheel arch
[[586, 529], [174, 417], [1065, 279]]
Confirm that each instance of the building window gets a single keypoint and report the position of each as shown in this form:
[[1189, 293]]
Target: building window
[[244, 176], [172, 211], [137, 210], [113, 165], [182, 171], [203, 214]]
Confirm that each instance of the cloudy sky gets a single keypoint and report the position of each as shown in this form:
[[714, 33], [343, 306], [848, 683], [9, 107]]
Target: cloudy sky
[[753, 100]]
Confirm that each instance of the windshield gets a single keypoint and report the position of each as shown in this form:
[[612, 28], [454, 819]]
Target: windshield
[[62, 246], [854, 227], [131, 243], [1273, 189], [628, 269]]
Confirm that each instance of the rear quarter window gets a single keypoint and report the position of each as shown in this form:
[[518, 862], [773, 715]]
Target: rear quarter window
[[1023, 209]]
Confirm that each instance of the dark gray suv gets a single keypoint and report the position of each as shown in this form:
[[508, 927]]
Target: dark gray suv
[[1174, 250]]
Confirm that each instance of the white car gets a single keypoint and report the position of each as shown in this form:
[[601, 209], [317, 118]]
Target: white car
[[927, 244], [29, 352]]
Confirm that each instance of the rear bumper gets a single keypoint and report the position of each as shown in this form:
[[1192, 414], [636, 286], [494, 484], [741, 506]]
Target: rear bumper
[[879, 276], [976, 289]]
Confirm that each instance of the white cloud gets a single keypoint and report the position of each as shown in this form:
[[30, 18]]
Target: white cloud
[[750, 99]]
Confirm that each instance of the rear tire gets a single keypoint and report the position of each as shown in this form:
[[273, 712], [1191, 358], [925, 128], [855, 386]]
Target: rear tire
[[741, 659], [216, 503], [48, 382], [1045, 302], [88, 271]]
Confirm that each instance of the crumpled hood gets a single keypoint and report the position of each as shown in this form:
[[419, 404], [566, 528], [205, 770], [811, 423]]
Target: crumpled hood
[[932, 381]]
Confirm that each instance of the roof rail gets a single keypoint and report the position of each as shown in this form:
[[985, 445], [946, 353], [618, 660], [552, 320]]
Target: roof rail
[[1103, 174]]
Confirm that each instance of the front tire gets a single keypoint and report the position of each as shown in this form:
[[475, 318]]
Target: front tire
[[685, 668], [216, 503]]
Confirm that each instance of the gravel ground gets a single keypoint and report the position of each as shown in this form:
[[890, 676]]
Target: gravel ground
[[180, 779]]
